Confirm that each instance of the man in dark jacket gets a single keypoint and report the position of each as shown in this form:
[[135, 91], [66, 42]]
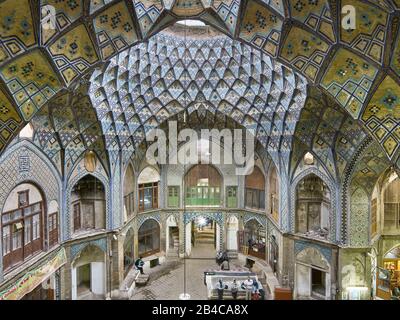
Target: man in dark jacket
[[139, 265]]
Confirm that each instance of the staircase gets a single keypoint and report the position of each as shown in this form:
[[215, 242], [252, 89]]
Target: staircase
[[204, 237]]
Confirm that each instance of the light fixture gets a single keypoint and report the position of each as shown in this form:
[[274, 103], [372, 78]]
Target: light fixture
[[308, 158]]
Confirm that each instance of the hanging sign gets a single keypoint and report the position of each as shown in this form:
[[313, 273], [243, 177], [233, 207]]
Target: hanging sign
[[34, 277]]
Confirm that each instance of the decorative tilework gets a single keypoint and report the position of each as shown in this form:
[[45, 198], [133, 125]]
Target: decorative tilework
[[261, 27], [66, 12], [349, 78], [76, 249], [382, 115], [305, 51], [10, 121], [31, 80], [115, 30], [74, 53], [314, 14], [299, 246], [147, 12], [369, 36], [228, 11], [16, 28], [396, 56], [187, 8], [334, 214], [223, 76], [359, 218]]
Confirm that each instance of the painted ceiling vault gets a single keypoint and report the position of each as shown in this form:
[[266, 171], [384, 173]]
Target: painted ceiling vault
[[275, 52]]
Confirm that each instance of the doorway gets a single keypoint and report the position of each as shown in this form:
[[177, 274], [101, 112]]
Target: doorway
[[83, 279], [202, 238], [318, 282]]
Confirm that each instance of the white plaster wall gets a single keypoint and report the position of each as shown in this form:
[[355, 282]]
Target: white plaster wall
[[12, 199], [53, 207], [170, 223], [303, 280], [231, 236]]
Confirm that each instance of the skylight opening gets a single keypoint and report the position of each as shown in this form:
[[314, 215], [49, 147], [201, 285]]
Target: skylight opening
[[191, 23]]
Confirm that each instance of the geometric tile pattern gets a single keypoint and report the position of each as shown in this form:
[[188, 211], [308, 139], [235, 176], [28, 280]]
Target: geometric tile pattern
[[349, 78], [31, 80], [10, 121], [328, 132], [223, 75], [369, 36], [73, 53], [16, 29], [296, 32], [65, 13], [305, 51], [314, 14], [382, 115], [261, 27], [114, 30]]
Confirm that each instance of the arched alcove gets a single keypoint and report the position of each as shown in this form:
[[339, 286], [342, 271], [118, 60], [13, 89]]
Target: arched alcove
[[203, 185], [149, 238], [88, 205], [313, 206], [255, 190], [22, 224], [148, 183]]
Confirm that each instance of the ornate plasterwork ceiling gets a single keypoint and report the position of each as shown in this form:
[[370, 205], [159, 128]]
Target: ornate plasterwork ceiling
[[358, 68]]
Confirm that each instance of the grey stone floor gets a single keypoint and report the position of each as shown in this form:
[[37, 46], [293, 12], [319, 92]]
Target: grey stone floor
[[167, 281]]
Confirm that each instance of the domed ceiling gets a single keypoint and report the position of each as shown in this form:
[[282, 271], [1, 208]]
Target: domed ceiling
[[40, 63]]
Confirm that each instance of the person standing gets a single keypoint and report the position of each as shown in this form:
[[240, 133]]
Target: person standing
[[234, 289], [139, 263], [248, 286], [220, 289]]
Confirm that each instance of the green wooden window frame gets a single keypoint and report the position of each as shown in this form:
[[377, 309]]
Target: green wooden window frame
[[173, 196], [231, 197]]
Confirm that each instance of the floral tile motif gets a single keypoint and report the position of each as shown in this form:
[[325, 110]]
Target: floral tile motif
[[74, 53], [348, 78], [31, 80]]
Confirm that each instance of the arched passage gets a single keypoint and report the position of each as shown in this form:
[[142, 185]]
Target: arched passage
[[149, 238], [253, 239], [88, 274], [203, 235], [312, 275]]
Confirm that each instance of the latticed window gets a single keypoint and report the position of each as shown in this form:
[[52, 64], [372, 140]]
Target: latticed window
[[22, 231], [148, 196]]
